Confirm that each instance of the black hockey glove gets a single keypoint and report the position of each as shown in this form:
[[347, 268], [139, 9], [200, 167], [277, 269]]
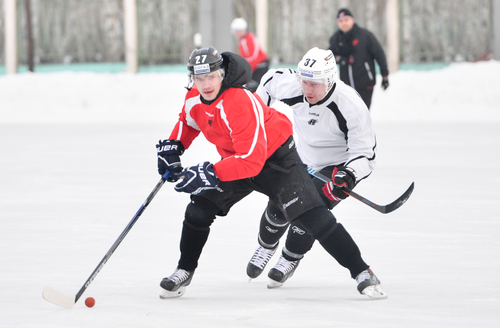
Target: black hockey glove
[[168, 158], [197, 179], [341, 177], [385, 82]]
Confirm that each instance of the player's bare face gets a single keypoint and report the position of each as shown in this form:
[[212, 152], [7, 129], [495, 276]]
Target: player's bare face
[[208, 84], [313, 91], [345, 23]]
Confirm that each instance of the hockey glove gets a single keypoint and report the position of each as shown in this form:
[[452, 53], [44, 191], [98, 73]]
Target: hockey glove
[[385, 82], [168, 158], [197, 179], [341, 177]]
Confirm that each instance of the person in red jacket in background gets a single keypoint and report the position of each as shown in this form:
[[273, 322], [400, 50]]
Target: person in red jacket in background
[[250, 49]]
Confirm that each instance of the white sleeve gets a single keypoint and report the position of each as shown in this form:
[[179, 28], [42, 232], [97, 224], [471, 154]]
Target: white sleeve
[[361, 142], [263, 90], [278, 84]]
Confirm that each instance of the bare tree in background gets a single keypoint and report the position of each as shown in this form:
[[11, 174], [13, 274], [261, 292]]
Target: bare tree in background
[[30, 47], [76, 31]]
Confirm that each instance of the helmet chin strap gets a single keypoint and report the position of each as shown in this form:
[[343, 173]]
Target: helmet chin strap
[[328, 90]]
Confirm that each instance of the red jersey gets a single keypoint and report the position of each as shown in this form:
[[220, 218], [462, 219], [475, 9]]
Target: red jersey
[[245, 131], [250, 49]]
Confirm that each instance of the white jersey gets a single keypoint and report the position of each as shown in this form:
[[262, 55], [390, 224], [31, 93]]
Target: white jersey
[[336, 130]]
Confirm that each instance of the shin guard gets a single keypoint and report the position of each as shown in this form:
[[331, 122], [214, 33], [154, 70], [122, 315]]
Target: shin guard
[[342, 247]]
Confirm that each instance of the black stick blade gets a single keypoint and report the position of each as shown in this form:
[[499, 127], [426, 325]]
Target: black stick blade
[[401, 200], [381, 208]]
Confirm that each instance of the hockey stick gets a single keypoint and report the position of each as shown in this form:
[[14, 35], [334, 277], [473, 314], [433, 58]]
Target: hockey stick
[[63, 300], [381, 208]]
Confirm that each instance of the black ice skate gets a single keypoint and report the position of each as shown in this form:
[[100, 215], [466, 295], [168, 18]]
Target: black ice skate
[[283, 270], [175, 285], [259, 261], [369, 285]]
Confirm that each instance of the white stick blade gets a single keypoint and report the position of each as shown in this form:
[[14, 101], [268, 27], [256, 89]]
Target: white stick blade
[[53, 296]]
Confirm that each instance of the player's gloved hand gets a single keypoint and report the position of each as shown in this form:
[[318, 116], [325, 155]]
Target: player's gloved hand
[[385, 82], [197, 179], [168, 158], [341, 177]]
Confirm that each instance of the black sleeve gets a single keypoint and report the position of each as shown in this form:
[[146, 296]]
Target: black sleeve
[[378, 53], [334, 44]]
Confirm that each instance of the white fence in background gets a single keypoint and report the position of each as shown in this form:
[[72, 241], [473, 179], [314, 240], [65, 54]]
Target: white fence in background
[[75, 31]]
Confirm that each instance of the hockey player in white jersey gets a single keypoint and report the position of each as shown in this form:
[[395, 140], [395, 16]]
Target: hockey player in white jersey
[[336, 138]]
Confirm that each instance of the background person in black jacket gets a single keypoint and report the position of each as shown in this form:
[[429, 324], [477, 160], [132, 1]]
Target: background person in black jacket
[[356, 50]]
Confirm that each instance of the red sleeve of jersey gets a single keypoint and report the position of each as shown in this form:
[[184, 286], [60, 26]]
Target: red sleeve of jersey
[[249, 49], [245, 119], [186, 130]]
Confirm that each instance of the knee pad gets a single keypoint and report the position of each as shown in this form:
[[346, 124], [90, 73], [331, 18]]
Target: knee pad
[[298, 242], [319, 222], [274, 216], [200, 213]]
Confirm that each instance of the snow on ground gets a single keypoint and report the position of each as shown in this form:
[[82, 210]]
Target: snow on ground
[[77, 159]]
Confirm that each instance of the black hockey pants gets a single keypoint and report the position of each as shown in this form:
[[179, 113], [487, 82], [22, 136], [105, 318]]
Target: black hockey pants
[[299, 240], [283, 179]]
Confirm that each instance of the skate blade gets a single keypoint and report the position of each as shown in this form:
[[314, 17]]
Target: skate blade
[[374, 292], [274, 284], [164, 294]]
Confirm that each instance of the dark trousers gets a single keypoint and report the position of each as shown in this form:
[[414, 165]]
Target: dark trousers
[[283, 179], [299, 241], [261, 69], [366, 94], [259, 72]]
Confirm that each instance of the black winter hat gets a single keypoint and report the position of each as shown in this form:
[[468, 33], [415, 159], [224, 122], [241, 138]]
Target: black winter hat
[[343, 13]]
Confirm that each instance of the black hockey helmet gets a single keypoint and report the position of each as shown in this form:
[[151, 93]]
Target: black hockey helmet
[[203, 61]]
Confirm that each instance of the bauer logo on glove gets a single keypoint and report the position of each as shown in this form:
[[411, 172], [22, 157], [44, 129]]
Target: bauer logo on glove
[[169, 152], [197, 179]]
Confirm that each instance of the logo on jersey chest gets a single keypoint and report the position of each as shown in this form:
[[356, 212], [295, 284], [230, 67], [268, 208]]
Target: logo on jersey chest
[[313, 121], [210, 119]]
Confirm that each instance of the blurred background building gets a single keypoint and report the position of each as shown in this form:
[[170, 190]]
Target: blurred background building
[[93, 31]]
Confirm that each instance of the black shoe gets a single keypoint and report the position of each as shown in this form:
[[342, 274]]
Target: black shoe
[[369, 285], [175, 285], [283, 270], [259, 261]]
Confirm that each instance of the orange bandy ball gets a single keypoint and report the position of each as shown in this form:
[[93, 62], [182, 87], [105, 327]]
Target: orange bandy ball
[[90, 302]]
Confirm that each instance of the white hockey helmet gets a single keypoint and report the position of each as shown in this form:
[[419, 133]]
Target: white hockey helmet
[[318, 65], [239, 24]]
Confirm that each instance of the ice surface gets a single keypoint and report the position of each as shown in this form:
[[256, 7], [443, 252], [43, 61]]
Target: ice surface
[[77, 160]]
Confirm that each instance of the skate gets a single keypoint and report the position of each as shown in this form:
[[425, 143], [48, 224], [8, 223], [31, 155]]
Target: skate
[[175, 285], [369, 285], [259, 261], [283, 270]]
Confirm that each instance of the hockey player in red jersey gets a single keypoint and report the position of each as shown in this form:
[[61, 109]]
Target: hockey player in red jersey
[[258, 153]]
